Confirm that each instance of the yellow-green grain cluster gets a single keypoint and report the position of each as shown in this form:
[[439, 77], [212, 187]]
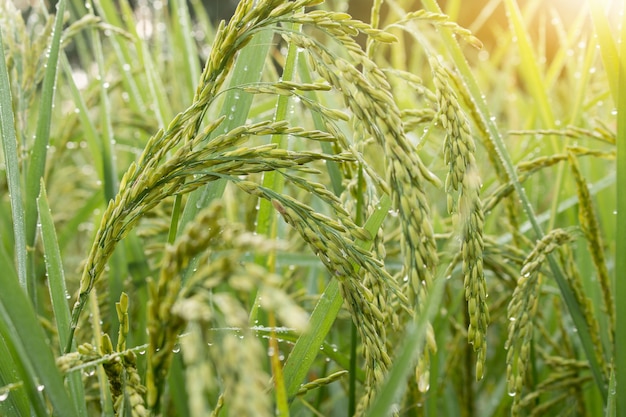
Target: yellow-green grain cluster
[[367, 95], [163, 326], [333, 243], [591, 229], [155, 176], [522, 310], [463, 178]]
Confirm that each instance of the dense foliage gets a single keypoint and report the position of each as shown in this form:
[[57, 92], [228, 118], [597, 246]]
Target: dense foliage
[[295, 212]]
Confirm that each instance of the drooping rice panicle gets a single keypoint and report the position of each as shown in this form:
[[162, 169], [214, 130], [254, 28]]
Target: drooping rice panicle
[[463, 177], [521, 313], [591, 229], [184, 128], [368, 96]]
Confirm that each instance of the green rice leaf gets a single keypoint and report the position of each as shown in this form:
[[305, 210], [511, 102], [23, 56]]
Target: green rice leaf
[[54, 267], [37, 160], [58, 290], [11, 388], [9, 147], [31, 354]]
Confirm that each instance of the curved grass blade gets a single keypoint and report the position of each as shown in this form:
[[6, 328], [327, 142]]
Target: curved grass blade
[[11, 159], [15, 400], [58, 290], [54, 267], [31, 354], [37, 161], [611, 402]]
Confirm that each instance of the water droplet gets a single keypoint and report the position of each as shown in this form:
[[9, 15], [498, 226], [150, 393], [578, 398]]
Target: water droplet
[[40, 388]]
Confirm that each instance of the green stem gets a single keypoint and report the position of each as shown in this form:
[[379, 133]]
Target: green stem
[[266, 222]]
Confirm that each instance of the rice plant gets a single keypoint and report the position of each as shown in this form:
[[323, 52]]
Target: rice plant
[[412, 211]]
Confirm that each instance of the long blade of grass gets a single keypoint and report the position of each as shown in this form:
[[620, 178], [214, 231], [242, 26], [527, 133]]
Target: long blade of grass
[[37, 160], [20, 370], [54, 267], [32, 357], [611, 403], [308, 345], [106, 136], [494, 135], [90, 132], [11, 160], [620, 244], [11, 388], [58, 290]]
